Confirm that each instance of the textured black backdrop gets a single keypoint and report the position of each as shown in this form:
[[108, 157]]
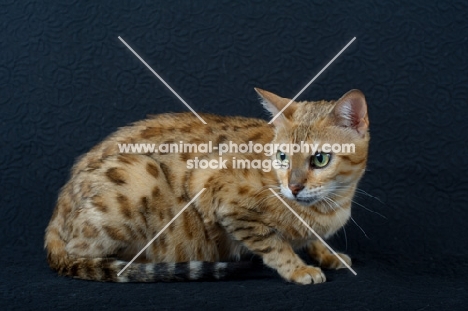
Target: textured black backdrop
[[66, 82]]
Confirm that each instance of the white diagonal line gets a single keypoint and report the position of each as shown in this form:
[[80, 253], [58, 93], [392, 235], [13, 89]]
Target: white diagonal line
[[162, 80], [313, 231], [160, 232], [311, 81]]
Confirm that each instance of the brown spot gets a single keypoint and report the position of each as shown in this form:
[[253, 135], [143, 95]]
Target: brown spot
[[156, 192], [130, 232], [115, 233], [255, 137], [182, 200], [89, 230], [144, 203], [116, 175], [167, 174], [94, 164], [186, 129], [252, 124], [145, 210], [243, 190], [127, 158], [160, 214], [210, 180], [152, 170], [220, 139], [151, 132], [66, 208], [124, 205], [98, 202], [186, 156], [217, 187]]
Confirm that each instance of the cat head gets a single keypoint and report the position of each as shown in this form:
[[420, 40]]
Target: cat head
[[312, 175]]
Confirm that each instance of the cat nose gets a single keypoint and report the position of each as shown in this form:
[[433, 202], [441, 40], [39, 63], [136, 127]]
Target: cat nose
[[295, 188]]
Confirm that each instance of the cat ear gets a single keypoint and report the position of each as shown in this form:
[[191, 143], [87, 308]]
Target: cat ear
[[274, 104], [351, 111]]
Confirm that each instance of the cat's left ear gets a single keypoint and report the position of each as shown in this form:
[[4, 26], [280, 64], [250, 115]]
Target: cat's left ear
[[351, 111], [274, 104]]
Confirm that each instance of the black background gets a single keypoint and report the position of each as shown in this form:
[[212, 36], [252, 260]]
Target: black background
[[66, 82]]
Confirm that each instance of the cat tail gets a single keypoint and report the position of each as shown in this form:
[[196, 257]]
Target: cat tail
[[107, 269]]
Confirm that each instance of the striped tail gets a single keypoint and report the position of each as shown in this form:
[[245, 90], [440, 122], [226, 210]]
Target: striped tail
[[106, 270]]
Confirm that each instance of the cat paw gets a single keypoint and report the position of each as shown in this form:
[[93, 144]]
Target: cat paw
[[307, 275], [330, 261]]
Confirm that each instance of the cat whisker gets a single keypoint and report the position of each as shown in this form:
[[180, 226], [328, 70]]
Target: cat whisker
[[343, 224], [359, 204], [369, 195], [360, 227], [360, 191], [351, 217]]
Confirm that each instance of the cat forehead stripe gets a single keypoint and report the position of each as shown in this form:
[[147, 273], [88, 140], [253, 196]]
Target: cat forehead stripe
[[313, 79], [160, 232], [313, 231], [162, 80]]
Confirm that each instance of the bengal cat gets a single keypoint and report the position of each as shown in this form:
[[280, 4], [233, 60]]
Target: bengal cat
[[115, 203]]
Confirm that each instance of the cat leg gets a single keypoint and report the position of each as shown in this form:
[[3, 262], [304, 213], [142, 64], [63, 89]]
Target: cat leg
[[325, 258], [275, 251]]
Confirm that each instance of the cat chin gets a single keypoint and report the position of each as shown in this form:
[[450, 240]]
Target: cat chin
[[307, 201]]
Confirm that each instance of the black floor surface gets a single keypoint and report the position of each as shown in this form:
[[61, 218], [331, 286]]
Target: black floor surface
[[383, 282]]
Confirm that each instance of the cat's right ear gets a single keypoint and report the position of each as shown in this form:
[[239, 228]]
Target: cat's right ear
[[274, 104]]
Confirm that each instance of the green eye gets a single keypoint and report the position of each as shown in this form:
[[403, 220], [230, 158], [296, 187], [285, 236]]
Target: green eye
[[282, 157], [320, 160]]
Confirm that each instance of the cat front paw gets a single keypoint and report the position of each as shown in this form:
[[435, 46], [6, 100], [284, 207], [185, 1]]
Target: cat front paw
[[330, 261], [307, 275]]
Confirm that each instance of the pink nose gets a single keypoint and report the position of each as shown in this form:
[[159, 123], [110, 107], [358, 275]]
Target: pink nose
[[295, 188]]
